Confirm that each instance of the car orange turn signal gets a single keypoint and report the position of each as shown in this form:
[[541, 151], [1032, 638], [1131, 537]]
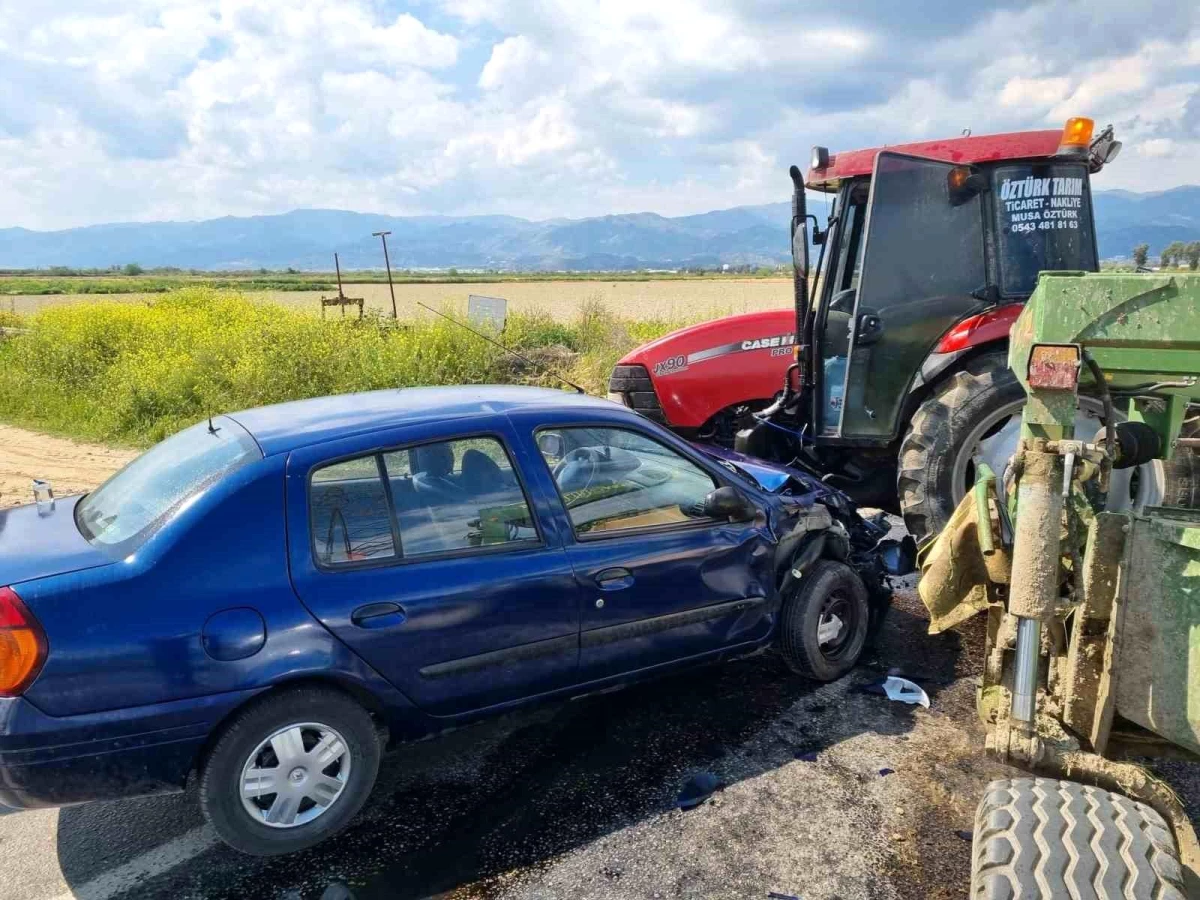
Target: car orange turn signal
[[22, 645]]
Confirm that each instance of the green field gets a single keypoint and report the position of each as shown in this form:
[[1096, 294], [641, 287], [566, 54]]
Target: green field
[[133, 373]]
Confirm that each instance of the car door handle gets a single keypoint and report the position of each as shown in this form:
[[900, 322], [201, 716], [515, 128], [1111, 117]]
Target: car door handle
[[615, 579], [378, 615]]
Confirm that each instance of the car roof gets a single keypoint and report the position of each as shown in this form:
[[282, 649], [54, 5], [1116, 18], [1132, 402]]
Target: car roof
[[301, 423]]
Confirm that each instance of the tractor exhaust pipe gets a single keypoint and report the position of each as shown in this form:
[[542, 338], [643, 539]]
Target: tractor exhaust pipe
[[799, 239]]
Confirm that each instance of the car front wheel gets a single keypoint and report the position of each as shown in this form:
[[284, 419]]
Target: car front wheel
[[824, 623], [289, 771]]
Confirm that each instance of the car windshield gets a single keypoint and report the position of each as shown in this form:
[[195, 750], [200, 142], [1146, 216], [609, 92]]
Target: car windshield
[[127, 508]]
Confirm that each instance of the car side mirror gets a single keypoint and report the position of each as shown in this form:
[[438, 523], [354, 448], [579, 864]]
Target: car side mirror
[[552, 445], [729, 503]]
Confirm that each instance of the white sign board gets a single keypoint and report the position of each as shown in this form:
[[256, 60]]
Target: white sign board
[[487, 312]]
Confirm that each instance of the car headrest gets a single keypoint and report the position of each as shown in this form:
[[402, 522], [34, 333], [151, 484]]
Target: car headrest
[[432, 459], [479, 471]]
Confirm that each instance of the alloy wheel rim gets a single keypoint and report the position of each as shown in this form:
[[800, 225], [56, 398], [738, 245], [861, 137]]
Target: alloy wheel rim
[[295, 775]]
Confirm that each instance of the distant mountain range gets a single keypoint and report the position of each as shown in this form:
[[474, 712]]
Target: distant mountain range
[[307, 238]]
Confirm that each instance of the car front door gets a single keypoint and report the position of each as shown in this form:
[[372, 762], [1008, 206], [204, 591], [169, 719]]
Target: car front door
[[423, 551], [660, 582]]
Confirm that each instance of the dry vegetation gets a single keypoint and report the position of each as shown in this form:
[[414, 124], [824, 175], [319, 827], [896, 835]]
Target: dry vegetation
[[691, 299]]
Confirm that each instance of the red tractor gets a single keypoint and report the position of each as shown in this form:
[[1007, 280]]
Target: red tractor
[[894, 377]]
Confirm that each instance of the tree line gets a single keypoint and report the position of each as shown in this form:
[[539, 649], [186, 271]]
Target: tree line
[[1174, 255]]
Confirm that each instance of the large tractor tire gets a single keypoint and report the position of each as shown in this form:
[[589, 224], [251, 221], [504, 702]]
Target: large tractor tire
[[1043, 839], [936, 456], [976, 415]]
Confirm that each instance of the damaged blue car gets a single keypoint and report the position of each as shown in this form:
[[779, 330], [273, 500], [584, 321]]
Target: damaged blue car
[[267, 599]]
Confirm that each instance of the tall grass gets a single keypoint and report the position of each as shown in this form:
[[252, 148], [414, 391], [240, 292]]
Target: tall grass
[[136, 373]]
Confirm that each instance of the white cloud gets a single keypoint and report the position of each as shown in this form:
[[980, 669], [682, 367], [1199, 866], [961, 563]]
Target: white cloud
[[141, 109]]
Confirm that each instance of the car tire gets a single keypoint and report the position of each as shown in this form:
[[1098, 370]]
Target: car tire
[[1040, 837], [310, 716], [829, 589]]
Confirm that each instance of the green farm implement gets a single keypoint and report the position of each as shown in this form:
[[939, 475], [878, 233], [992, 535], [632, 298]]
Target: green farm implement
[[1093, 604]]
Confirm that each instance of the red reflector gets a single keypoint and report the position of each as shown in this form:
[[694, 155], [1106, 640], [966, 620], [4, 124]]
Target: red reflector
[[12, 610], [22, 645], [1054, 367]]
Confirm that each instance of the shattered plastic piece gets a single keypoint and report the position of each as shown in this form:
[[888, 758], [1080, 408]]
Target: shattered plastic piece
[[964, 835], [775, 895], [886, 771], [899, 689], [698, 789]]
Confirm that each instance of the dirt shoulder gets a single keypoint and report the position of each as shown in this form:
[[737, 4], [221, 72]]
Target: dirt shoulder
[[70, 466]]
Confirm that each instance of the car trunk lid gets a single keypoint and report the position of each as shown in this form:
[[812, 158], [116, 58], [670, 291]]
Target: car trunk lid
[[35, 544]]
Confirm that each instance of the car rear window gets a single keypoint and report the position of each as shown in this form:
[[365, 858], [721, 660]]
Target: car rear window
[[125, 510], [442, 498]]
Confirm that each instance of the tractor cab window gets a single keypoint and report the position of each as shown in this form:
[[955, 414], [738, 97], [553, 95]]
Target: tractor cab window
[[1043, 221], [834, 328]]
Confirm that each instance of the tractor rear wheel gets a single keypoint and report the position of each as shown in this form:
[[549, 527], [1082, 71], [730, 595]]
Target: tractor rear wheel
[[976, 417], [1040, 837]]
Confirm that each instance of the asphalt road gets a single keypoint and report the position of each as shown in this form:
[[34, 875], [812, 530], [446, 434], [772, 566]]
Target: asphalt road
[[827, 792]]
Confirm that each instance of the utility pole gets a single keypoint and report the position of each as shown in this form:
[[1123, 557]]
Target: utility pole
[[382, 235]]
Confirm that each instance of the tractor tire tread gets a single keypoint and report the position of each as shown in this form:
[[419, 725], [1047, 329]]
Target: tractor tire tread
[[1045, 838]]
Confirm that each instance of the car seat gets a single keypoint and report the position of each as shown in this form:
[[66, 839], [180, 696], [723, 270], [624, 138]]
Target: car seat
[[480, 474], [431, 466]]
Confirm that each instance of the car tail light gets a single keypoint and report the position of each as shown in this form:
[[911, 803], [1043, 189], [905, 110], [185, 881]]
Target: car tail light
[[22, 645], [1054, 367]]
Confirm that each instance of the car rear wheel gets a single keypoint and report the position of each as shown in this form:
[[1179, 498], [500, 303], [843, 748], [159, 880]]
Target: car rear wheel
[[823, 625], [289, 771]]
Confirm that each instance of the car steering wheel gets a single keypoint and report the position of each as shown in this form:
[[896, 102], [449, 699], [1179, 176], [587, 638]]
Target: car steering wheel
[[587, 458]]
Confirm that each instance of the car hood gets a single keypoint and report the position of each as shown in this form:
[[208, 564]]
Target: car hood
[[33, 545], [771, 477]]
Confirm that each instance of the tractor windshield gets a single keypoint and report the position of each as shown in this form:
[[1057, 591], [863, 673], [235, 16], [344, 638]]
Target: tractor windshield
[[1043, 221]]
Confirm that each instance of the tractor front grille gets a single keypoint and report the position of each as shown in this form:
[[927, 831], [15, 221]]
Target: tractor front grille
[[631, 385]]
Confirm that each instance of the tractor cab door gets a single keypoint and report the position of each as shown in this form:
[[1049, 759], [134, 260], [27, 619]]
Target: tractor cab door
[[923, 269]]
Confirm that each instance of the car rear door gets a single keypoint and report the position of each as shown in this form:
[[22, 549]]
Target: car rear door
[[424, 551], [658, 583]]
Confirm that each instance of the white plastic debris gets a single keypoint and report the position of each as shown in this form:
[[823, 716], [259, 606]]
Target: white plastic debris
[[905, 691]]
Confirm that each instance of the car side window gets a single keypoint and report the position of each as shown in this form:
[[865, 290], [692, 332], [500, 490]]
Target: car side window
[[349, 513], [457, 495], [612, 479]]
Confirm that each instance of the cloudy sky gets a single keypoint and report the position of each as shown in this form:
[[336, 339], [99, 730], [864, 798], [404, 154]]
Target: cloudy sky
[[116, 110]]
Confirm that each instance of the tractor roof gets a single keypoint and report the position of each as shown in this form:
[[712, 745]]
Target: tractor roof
[[982, 149]]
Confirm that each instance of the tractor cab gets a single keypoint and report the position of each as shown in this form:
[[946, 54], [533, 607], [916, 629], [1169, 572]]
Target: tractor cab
[[896, 386], [921, 237]]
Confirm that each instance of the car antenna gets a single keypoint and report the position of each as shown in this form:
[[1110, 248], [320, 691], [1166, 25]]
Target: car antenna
[[212, 429], [509, 350]]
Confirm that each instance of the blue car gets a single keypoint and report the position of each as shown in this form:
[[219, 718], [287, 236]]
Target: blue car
[[265, 600]]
